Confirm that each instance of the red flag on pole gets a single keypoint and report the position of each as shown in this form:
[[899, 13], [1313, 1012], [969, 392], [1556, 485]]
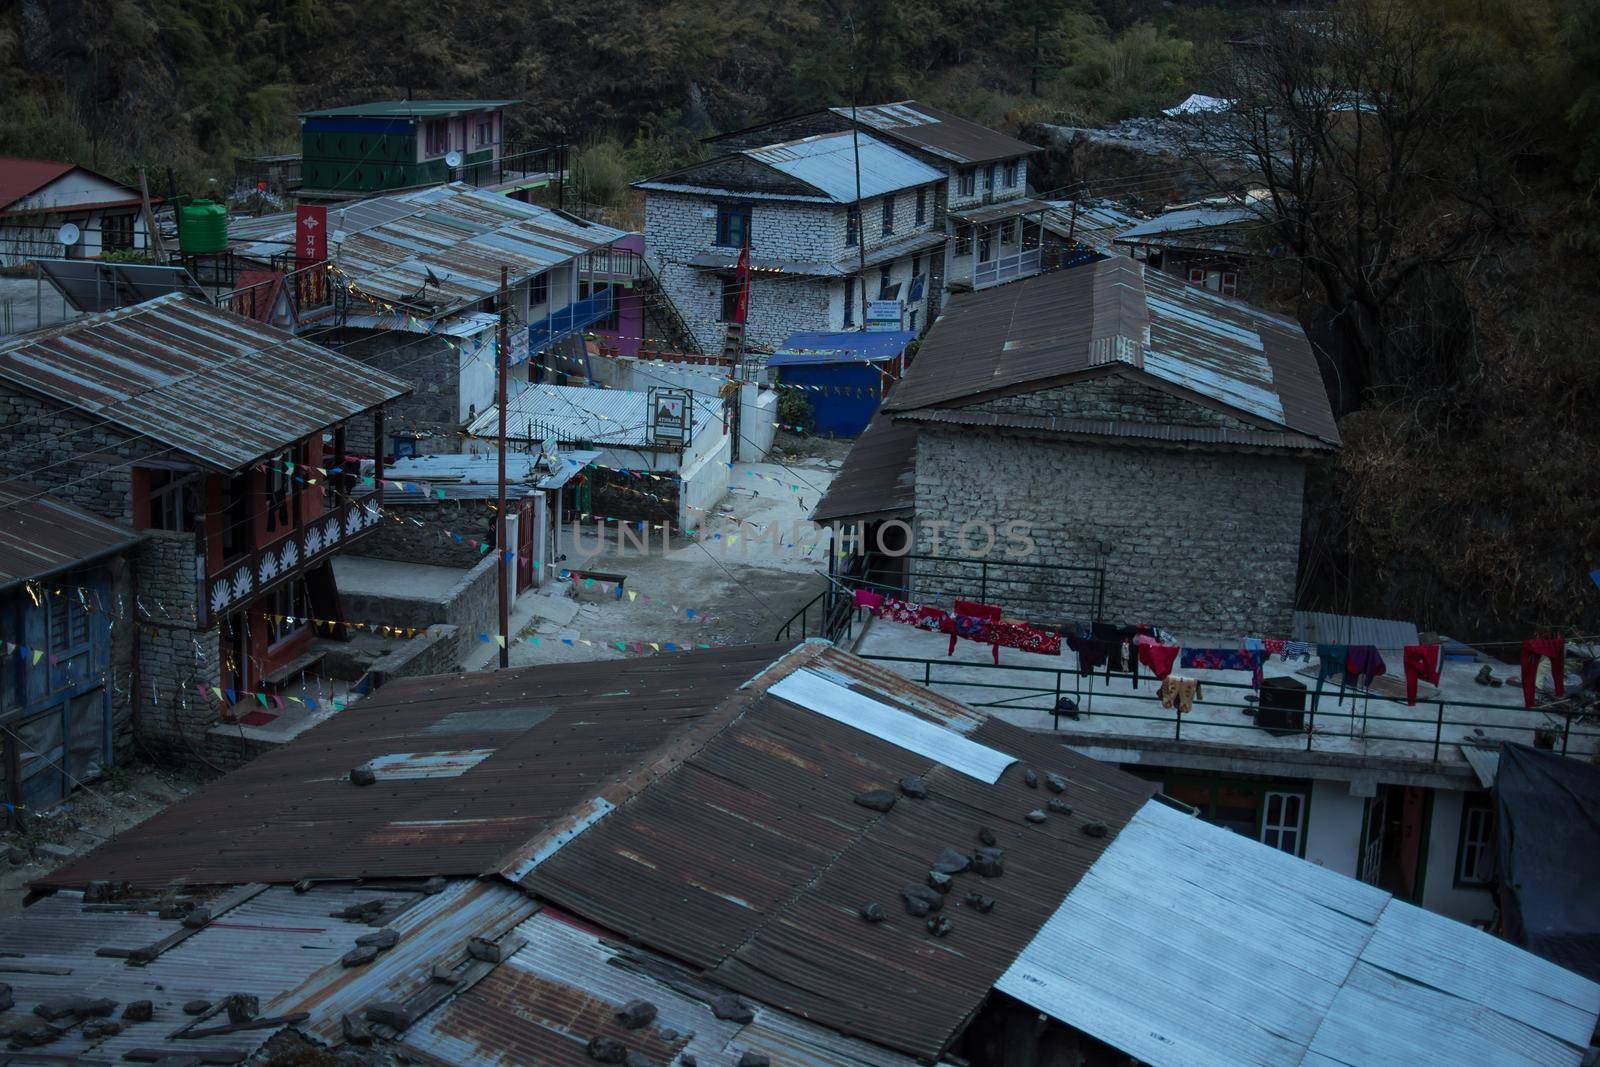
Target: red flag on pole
[[741, 279]]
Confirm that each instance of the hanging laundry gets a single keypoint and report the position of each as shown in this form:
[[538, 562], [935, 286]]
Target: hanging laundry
[[1091, 653], [966, 628], [1158, 657], [1362, 664], [1179, 692], [1224, 659], [1555, 650], [1421, 661], [973, 609], [1020, 635], [1330, 662], [898, 611], [1300, 650], [1273, 645], [930, 618], [868, 598]]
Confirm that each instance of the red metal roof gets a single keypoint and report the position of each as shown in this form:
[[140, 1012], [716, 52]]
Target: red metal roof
[[19, 177]]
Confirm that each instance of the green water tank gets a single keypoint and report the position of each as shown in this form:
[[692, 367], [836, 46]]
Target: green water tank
[[203, 227]]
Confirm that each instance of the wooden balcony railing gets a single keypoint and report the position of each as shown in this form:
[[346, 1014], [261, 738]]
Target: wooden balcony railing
[[240, 581]]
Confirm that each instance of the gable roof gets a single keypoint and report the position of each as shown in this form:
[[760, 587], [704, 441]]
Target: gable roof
[[1116, 316], [216, 386], [20, 176], [824, 162], [1188, 944], [878, 475], [940, 132], [41, 536]]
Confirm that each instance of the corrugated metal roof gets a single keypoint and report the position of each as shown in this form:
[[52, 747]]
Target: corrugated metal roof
[[1216, 229], [461, 476], [612, 418], [943, 133], [827, 162], [1324, 627], [266, 946], [749, 858], [388, 246], [407, 109], [582, 730], [1091, 224], [878, 476], [1004, 209], [1115, 316], [220, 388], [1115, 430], [566, 983], [20, 176], [852, 346], [837, 701], [1188, 944], [40, 535]]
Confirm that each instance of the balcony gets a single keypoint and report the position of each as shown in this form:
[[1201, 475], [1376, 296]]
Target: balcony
[[240, 581], [570, 319]]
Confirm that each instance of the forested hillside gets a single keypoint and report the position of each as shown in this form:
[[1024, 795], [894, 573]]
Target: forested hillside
[[1459, 271]]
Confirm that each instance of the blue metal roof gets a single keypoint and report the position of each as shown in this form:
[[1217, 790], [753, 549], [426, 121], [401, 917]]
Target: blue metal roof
[[850, 347], [827, 162]]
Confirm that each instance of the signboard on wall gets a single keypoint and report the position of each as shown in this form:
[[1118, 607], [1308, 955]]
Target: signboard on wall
[[884, 314], [310, 233], [671, 415]]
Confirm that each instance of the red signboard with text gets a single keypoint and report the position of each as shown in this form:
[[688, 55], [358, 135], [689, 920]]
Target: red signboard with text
[[310, 234]]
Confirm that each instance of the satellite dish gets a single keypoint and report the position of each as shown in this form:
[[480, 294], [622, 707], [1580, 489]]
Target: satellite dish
[[69, 233], [452, 160]]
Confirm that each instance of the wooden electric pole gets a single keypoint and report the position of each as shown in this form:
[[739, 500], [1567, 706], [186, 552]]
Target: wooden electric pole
[[501, 369]]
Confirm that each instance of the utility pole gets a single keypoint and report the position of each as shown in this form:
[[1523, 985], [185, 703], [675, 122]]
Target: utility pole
[[861, 214], [152, 236], [501, 369]]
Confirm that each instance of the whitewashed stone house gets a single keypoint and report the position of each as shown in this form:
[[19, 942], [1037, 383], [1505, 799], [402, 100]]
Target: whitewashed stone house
[[822, 241], [981, 200]]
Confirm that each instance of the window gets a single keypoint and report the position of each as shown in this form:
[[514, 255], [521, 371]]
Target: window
[[485, 132], [968, 182], [922, 206], [888, 215], [849, 302], [436, 137], [912, 322], [1007, 231], [68, 624], [985, 243], [883, 282], [1011, 174], [280, 489], [1283, 821], [116, 232], [916, 265], [852, 225], [1473, 865], [289, 610], [730, 300], [1225, 282], [963, 240], [173, 500], [988, 177], [539, 290], [733, 225]]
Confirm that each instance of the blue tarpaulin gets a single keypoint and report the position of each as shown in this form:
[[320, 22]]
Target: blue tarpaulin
[[840, 374]]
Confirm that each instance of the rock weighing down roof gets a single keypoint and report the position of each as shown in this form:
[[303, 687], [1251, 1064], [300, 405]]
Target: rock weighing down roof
[[216, 386], [824, 839], [1117, 317]]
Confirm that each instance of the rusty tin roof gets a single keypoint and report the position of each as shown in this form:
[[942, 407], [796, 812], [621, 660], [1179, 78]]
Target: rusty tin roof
[[41, 536], [212, 385], [1115, 316], [877, 476], [940, 132]]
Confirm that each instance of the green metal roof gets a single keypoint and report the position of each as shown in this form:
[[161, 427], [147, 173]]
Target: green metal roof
[[400, 109]]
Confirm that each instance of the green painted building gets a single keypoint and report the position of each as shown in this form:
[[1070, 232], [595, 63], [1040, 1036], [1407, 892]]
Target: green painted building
[[399, 144]]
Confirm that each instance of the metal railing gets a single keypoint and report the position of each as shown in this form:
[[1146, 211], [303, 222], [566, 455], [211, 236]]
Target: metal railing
[[829, 614], [1330, 723], [1040, 592]]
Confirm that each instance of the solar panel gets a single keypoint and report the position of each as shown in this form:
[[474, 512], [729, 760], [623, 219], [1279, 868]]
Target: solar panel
[[92, 285]]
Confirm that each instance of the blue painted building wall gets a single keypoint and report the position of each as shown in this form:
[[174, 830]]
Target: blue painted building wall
[[843, 396]]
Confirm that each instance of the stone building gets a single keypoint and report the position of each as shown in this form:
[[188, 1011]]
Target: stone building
[[224, 442], [980, 202], [822, 244], [1149, 435]]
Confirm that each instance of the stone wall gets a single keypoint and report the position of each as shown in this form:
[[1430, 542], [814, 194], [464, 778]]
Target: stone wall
[[433, 369], [438, 651], [424, 535], [174, 653], [1116, 398], [72, 457], [1204, 543], [472, 605]]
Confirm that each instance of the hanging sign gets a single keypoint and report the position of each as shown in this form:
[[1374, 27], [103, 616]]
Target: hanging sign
[[883, 314], [310, 233]]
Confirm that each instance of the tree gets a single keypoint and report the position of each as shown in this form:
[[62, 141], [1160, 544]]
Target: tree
[[1379, 168]]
